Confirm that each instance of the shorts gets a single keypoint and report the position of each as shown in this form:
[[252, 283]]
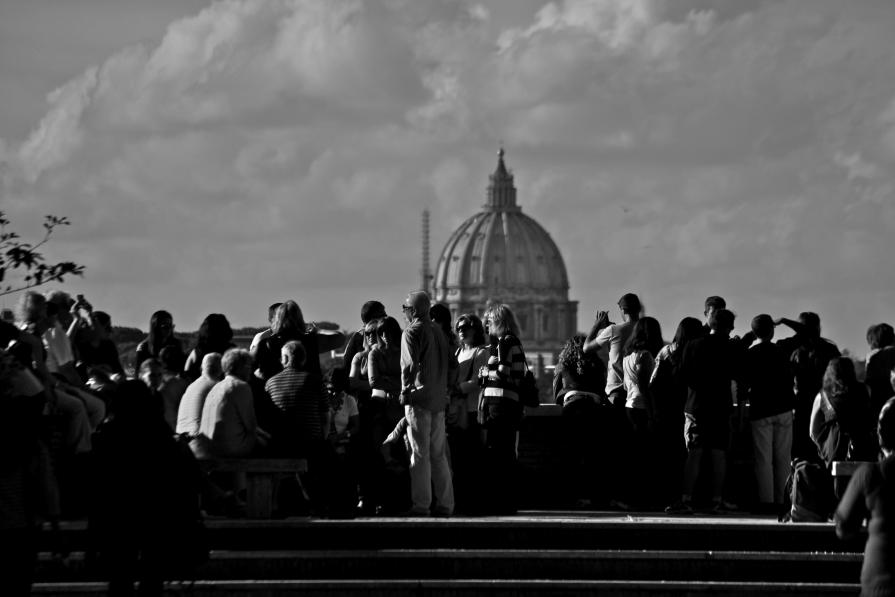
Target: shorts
[[712, 432]]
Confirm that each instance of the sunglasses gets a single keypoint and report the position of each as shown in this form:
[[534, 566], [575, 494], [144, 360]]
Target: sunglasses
[[463, 327], [406, 307], [369, 333]]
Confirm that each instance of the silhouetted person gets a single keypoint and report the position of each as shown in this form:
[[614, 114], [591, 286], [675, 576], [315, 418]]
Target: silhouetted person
[[809, 355], [668, 392], [841, 421], [604, 333], [871, 494], [161, 334], [712, 304], [215, 335], [879, 363], [144, 513], [710, 365], [767, 382], [579, 382], [641, 349]]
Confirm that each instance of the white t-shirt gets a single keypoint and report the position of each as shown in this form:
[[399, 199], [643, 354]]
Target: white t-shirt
[[615, 336], [348, 410], [637, 365], [58, 347]]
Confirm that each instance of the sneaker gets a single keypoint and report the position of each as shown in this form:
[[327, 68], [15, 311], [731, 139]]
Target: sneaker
[[722, 507], [679, 507]]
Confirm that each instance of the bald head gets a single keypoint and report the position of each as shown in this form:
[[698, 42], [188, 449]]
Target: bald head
[[211, 366]]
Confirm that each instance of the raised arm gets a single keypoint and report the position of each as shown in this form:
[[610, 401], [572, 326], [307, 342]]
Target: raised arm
[[595, 338]]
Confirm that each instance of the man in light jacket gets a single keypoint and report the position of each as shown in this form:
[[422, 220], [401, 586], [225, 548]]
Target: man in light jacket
[[427, 365]]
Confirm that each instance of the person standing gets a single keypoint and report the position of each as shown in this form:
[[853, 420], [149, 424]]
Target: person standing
[[870, 494], [427, 366], [768, 384], [500, 409], [615, 336], [809, 354], [710, 364], [641, 349]]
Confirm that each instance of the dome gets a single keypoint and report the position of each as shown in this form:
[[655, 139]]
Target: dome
[[502, 254]]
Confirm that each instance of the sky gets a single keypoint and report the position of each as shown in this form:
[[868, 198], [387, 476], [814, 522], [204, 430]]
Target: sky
[[220, 156]]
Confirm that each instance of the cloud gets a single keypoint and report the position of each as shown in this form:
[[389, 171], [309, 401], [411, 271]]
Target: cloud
[[287, 147]]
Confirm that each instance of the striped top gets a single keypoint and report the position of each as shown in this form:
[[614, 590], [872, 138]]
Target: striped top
[[506, 367], [301, 398]]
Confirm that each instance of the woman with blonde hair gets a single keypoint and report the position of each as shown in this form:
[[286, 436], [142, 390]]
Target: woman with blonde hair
[[500, 409]]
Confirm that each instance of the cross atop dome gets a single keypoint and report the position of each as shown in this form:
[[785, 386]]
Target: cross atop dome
[[501, 190]]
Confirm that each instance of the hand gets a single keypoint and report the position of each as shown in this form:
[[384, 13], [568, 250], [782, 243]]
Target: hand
[[778, 320], [602, 317]]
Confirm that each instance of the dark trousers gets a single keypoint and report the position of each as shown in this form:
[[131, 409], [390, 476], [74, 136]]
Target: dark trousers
[[641, 478], [582, 443], [377, 418], [17, 557], [500, 464], [616, 462], [466, 453]]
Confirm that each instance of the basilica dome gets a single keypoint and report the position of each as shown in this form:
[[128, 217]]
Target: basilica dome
[[501, 254]]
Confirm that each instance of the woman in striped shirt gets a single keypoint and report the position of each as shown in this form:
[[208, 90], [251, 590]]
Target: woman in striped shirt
[[500, 410]]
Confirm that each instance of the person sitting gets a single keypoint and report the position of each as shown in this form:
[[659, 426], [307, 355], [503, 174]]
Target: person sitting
[[94, 343], [172, 385], [228, 427], [302, 414], [300, 398], [871, 494], [189, 413], [215, 335], [161, 334]]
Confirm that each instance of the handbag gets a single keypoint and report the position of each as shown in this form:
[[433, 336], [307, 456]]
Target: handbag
[[529, 395]]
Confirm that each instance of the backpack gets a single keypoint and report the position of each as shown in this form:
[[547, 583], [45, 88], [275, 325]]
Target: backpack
[[809, 490]]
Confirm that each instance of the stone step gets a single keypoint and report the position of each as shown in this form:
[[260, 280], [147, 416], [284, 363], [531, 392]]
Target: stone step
[[495, 564], [470, 588], [526, 531]]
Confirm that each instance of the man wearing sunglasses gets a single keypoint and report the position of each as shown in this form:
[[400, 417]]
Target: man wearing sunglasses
[[427, 368]]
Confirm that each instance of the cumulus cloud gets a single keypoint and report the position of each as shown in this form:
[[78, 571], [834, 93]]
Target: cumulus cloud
[[287, 147]]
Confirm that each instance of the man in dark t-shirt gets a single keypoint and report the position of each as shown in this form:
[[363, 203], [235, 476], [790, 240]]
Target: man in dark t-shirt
[[709, 366], [768, 384]]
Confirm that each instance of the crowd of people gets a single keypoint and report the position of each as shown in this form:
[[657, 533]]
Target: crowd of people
[[420, 421]]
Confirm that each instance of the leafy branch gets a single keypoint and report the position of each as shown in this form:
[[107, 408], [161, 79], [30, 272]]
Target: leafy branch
[[19, 256]]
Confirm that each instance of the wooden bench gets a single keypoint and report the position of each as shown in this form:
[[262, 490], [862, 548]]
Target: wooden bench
[[261, 478], [842, 471]]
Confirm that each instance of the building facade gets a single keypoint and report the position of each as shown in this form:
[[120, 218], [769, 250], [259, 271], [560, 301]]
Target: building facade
[[501, 254]]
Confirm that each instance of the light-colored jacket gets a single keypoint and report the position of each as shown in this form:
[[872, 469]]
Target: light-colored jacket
[[428, 366]]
